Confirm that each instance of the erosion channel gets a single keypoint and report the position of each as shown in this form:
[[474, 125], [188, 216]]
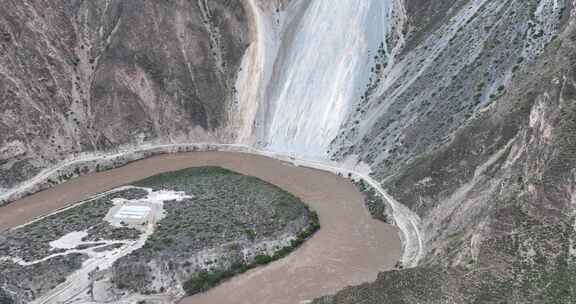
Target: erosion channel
[[350, 248]]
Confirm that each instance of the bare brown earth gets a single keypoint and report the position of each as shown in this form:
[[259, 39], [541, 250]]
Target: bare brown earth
[[350, 248]]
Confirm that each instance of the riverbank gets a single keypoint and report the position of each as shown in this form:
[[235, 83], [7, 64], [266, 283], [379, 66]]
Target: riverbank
[[350, 249], [407, 221]]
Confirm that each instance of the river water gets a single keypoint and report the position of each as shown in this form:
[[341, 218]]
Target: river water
[[350, 248]]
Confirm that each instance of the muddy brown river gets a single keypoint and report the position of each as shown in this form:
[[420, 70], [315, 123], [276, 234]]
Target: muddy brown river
[[350, 248]]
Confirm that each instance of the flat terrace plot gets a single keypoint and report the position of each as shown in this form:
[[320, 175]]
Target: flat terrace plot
[[32, 242]]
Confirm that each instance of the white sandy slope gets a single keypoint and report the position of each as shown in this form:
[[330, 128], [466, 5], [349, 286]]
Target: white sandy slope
[[320, 72]]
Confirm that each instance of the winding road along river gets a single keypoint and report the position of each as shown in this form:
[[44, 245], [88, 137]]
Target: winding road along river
[[350, 248]]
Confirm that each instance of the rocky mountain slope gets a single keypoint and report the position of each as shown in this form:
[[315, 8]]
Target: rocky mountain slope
[[477, 136], [463, 109], [92, 75]]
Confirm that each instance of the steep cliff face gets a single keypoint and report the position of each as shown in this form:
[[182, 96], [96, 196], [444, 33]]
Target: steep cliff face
[[93, 75], [444, 76], [443, 116], [323, 63]]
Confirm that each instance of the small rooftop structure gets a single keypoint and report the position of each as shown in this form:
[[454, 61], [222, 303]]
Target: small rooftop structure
[[132, 212]]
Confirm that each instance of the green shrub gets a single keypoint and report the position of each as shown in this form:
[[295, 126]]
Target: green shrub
[[262, 259], [203, 281]]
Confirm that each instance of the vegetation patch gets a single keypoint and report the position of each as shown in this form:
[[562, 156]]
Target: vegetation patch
[[373, 201], [205, 280], [227, 213], [29, 282]]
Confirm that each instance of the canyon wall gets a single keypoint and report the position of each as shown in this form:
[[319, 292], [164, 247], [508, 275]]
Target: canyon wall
[[463, 110]]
